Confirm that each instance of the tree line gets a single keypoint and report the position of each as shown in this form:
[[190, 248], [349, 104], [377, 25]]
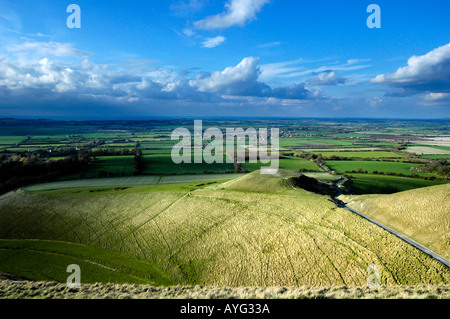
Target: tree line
[[16, 174]]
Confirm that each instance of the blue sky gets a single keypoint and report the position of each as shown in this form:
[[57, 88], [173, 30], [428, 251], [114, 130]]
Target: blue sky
[[240, 58]]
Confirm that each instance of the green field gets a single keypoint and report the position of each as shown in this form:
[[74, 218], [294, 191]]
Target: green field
[[371, 166], [443, 156], [314, 142], [256, 230], [156, 151], [371, 154], [163, 164], [11, 140]]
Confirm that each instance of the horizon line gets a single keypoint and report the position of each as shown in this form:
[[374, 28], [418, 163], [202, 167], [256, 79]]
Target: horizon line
[[209, 118]]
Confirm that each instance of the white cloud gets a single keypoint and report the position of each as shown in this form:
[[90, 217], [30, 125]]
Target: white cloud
[[232, 80], [44, 49], [429, 72], [213, 42], [237, 12], [436, 99], [296, 68], [243, 80], [356, 61], [437, 96], [52, 76], [271, 70], [327, 78], [188, 32], [63, 81], [326, 69]]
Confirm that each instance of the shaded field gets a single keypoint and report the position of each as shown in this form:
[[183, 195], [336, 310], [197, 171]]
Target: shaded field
[[288, 163], [256, 230], [421, 214], [162, 164], [155, 162], [16, 289], [113, 164]]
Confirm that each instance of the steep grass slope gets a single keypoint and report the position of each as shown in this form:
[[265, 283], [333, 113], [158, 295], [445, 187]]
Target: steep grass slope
[[421, 214], [253, 231]]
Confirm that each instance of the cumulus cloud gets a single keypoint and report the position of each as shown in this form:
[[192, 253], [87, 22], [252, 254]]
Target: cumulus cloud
[[425, 73], [213, 42], [327, 78], [236, 80], [436, 99], [237, 12], [243, 80], [54, 80], [437, 96]]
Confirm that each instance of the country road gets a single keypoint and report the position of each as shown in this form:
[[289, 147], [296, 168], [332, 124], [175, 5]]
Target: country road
[[341, 204], [422, 248]]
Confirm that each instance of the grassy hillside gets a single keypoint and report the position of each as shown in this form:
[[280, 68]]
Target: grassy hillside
[[256, 230], [99, 265], [422, 214], [385, 184]]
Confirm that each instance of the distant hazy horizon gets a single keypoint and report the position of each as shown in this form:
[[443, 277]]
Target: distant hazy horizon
[[225, 118]]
